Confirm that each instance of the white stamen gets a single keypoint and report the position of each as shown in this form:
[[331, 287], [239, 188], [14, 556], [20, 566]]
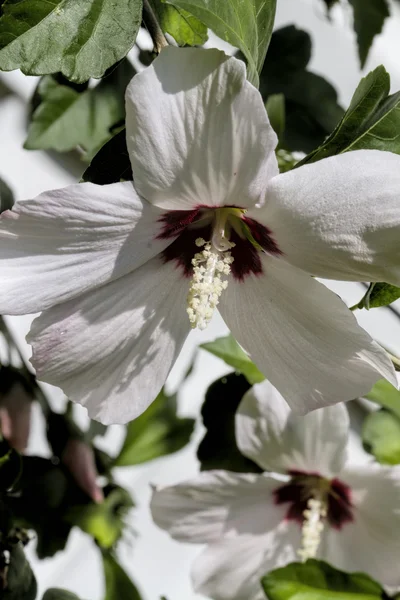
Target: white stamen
[[207, 285], [312, 528]]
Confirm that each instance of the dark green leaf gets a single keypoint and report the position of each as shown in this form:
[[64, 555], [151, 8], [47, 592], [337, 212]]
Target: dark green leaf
[[246, 24], [79, 39], [230, 352], [316, 580], [184, 27], [381, 436], [57, 594], [379, 294], [21, 582], [95, 429], [311, 107], [372, 120], [369, 18], [218, 448], [111, 164], [118, 585], [66, 118], [386, 395], [275, 107], [10, 466], [6, 197], [157, 432]]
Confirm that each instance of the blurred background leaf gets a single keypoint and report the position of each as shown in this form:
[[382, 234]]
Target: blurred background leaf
[[157, 432]]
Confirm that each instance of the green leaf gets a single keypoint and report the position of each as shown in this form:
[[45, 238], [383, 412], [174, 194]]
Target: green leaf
[[379, 294], [218, 448], [118, 585], [275, 107], [20, 579], [10, 466], [79, 39], [330, 3], [386, 395], [316, 580], [311, 106], [246, 24], [6, 197], [372, 120], [111, 164], [381, 436], [66, 118], [184, 27], [230, 352], [369, 18], [57, 594], [157, 432], [105, 521]]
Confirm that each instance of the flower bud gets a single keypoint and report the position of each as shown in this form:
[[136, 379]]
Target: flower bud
[[78, 457], [15, 408]]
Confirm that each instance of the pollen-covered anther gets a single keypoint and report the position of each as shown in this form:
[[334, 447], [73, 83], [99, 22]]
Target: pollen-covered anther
[[312, 528], [207, 284]]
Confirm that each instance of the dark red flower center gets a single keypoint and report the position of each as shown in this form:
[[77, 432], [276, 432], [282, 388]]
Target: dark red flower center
[[248, 238], [304, 486]]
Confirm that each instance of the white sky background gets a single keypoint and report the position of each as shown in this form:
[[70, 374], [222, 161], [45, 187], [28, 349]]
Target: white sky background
[[159, 565]]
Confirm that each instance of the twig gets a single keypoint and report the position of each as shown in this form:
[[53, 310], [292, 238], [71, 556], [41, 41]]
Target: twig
[[153, 27]]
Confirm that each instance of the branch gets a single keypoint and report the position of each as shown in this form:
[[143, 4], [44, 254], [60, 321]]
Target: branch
[[153, 27]]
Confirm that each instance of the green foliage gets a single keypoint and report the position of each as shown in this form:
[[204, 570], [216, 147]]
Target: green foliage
[[230, 352], [316, 580], [105, 521], [111, 164], [372, 120], [386, 395], [275, 107], [218, 448], [184, 27], [369, 18], [6, 197], [10, 466], [381, 436], [157, 432], [66, 118], [246, 24], [118, 584], [79, 39], [379, 294], [57, 594], [21, 582], [60, 429], [311, 107]]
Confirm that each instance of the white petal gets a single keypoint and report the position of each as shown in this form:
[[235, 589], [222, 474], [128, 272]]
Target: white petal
[[231, 569], [198, 132], [217, 503], [67, 241], [302, 337], [339, 218], [111, 349], [278, 440], [371, 543]]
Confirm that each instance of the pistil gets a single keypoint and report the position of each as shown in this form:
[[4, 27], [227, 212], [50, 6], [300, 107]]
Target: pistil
[[207, 285], [313, 525]]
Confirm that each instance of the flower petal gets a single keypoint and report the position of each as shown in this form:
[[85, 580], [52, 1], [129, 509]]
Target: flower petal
[[231, 569], [217, 503], [371, 542], [111, 349], [302, 337], [67, 241], [278, 440], [339, 218], [198, 132]]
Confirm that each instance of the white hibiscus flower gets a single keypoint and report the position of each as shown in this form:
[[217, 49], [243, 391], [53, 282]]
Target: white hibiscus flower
[[118, 269], [255, 523]]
